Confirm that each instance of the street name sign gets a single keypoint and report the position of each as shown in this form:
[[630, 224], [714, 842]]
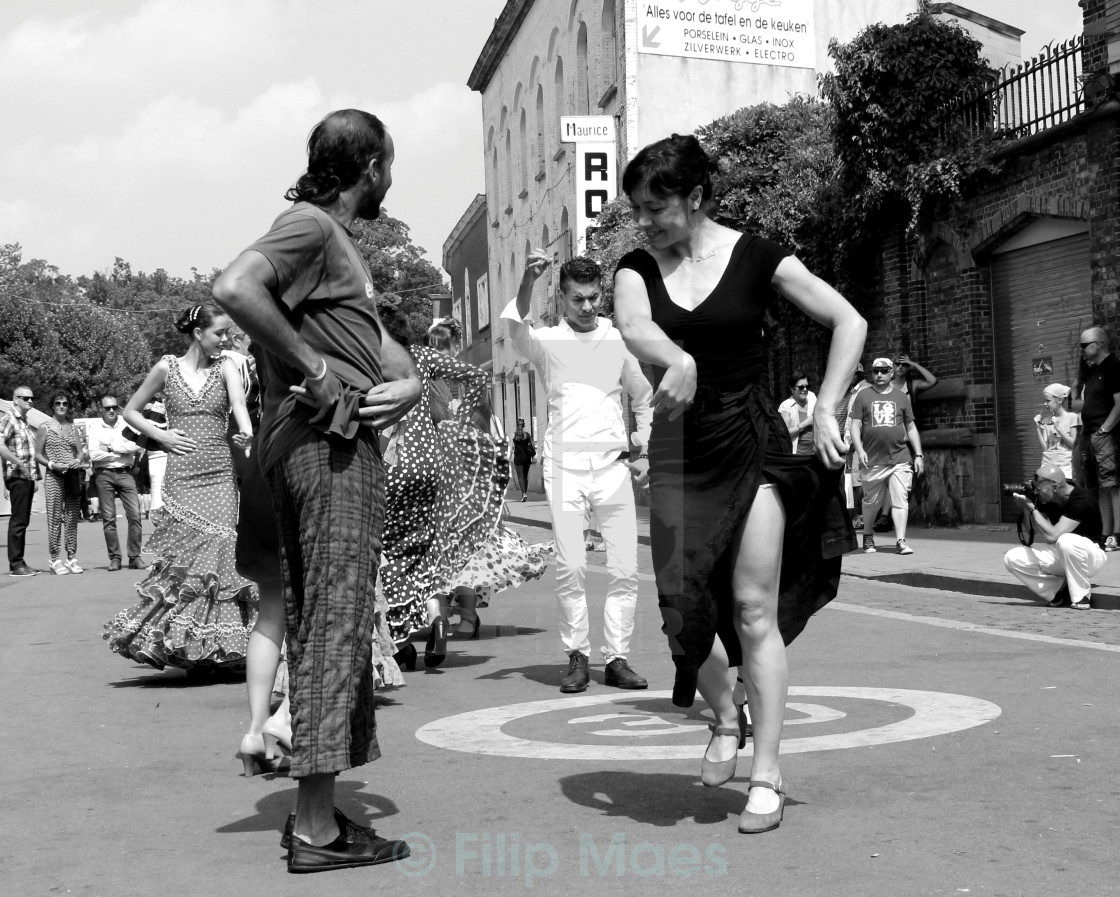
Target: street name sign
[[756, 32]]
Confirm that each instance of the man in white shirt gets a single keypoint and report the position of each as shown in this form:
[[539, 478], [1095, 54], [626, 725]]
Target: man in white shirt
[[585, 366], [112, 457]]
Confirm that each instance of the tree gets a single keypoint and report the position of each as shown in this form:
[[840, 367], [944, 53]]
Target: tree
[[902, 155]]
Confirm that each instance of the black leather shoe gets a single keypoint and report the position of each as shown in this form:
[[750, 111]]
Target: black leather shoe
[[577, 676], [24, 570], [347, 828], [365, 850], [115, 564], [620, 675], [136, 564], [1062, 598]]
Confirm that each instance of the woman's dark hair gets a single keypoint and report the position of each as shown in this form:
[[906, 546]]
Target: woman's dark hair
[[443, 333], [794, 377], [69, 408], [671, 167], [396, 324], [338, 151], [201, 316]]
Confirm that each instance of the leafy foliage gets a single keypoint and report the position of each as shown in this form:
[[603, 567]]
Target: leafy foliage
[[901, 155]]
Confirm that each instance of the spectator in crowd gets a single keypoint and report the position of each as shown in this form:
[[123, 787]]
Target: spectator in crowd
[[910, 377], [882, 425], [59, 448], [797, 412], [113, 457], [156, 413], [523, 454], [17, 453], [1069, 522], [1099, 405], [1057, 428]]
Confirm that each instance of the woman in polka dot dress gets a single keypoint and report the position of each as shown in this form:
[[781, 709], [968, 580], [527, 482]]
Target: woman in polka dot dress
[[195, 611], [446, 479]]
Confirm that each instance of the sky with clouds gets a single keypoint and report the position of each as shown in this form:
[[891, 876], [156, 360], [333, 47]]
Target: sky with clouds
[[166, 131]]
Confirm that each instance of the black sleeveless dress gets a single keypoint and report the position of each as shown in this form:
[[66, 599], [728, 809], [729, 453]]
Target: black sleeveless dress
[[706, 466]]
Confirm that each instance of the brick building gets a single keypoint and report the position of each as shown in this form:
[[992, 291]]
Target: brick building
[[995, 306], [466, 261]]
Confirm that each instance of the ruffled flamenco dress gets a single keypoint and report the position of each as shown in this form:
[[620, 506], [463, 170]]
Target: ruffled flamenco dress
[[195, 610]]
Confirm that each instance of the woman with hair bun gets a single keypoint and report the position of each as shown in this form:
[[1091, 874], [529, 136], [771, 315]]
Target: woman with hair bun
[[746, 536], [195, 611]]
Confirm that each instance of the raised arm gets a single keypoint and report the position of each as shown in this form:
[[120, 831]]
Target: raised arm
[[924, 380], [825, 306], [648, 343], [475, 381]]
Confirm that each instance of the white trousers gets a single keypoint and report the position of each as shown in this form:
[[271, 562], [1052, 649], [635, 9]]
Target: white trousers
[[1042, 568], [609, 494]]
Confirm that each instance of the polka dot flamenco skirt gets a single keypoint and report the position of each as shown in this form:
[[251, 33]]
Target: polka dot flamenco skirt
[[195, 612]]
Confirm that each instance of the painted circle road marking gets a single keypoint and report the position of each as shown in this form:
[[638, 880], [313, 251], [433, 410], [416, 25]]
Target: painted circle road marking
[[480, 731]]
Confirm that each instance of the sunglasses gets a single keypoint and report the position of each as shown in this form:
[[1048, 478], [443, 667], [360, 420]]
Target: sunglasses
[[110, 407], [880, 370], [26, 398], [802, 386], [61, 404], [1088, 344]]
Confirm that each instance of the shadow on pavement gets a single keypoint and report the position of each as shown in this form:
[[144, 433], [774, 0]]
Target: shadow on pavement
[[273, 810], [660, 799]]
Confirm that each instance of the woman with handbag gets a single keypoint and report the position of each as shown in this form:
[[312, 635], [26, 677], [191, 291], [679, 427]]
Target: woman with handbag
[[59, 448]]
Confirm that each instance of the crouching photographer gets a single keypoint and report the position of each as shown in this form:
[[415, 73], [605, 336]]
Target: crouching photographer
[[1066, 518]]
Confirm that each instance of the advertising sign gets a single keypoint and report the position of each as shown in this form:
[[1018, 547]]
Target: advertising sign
[[758, 32]]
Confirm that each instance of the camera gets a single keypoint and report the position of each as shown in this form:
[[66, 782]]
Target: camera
[[1025, 526], [1026, 488]]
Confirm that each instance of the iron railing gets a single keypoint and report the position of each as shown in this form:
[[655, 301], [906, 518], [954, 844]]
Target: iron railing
[[1030, 98]]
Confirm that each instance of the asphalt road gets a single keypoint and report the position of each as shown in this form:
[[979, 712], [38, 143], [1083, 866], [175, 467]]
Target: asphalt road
[[937, 743]]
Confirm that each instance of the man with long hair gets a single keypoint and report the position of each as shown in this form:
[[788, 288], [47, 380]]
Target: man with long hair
[[330, 377]]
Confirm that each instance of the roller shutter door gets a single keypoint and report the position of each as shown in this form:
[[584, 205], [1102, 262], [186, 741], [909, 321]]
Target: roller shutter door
[[1042, 302]]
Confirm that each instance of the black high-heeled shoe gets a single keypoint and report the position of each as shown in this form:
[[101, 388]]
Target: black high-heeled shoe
[[435, 649], [472, 635], [406, 657]]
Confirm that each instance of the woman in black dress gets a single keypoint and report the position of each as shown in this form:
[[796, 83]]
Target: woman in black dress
[[746, 536]]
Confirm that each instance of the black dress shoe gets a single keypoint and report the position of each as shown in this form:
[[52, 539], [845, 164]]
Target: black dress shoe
[[1062, 598], [136, 564], [620, 675], [365, 850], [406, 657], [24, 570], [115, 564], [347, 828], [577, 676]]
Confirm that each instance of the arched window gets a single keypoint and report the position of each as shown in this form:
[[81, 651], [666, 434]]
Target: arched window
[[509, 170], [558, 88], [540, 128], [608, 56], [524, 135], [495, 184], [565, 247], [583, 104]]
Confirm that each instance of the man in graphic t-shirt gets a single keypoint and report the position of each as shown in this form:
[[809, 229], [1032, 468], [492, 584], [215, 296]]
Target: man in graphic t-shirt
[[1068, 520], [883, 434]]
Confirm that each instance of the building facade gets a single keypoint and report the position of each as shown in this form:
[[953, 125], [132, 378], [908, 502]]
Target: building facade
[[649, 69], [466, 261]]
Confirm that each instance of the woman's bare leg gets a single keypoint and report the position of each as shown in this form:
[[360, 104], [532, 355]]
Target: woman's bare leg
[[262, 657], [714, 685], [757, 569]]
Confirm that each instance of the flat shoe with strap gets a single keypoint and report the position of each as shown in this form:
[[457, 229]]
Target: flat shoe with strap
[[756, 823], [716, 772]]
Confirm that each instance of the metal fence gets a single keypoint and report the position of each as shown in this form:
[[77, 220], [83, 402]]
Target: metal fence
[[1035, 96]]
